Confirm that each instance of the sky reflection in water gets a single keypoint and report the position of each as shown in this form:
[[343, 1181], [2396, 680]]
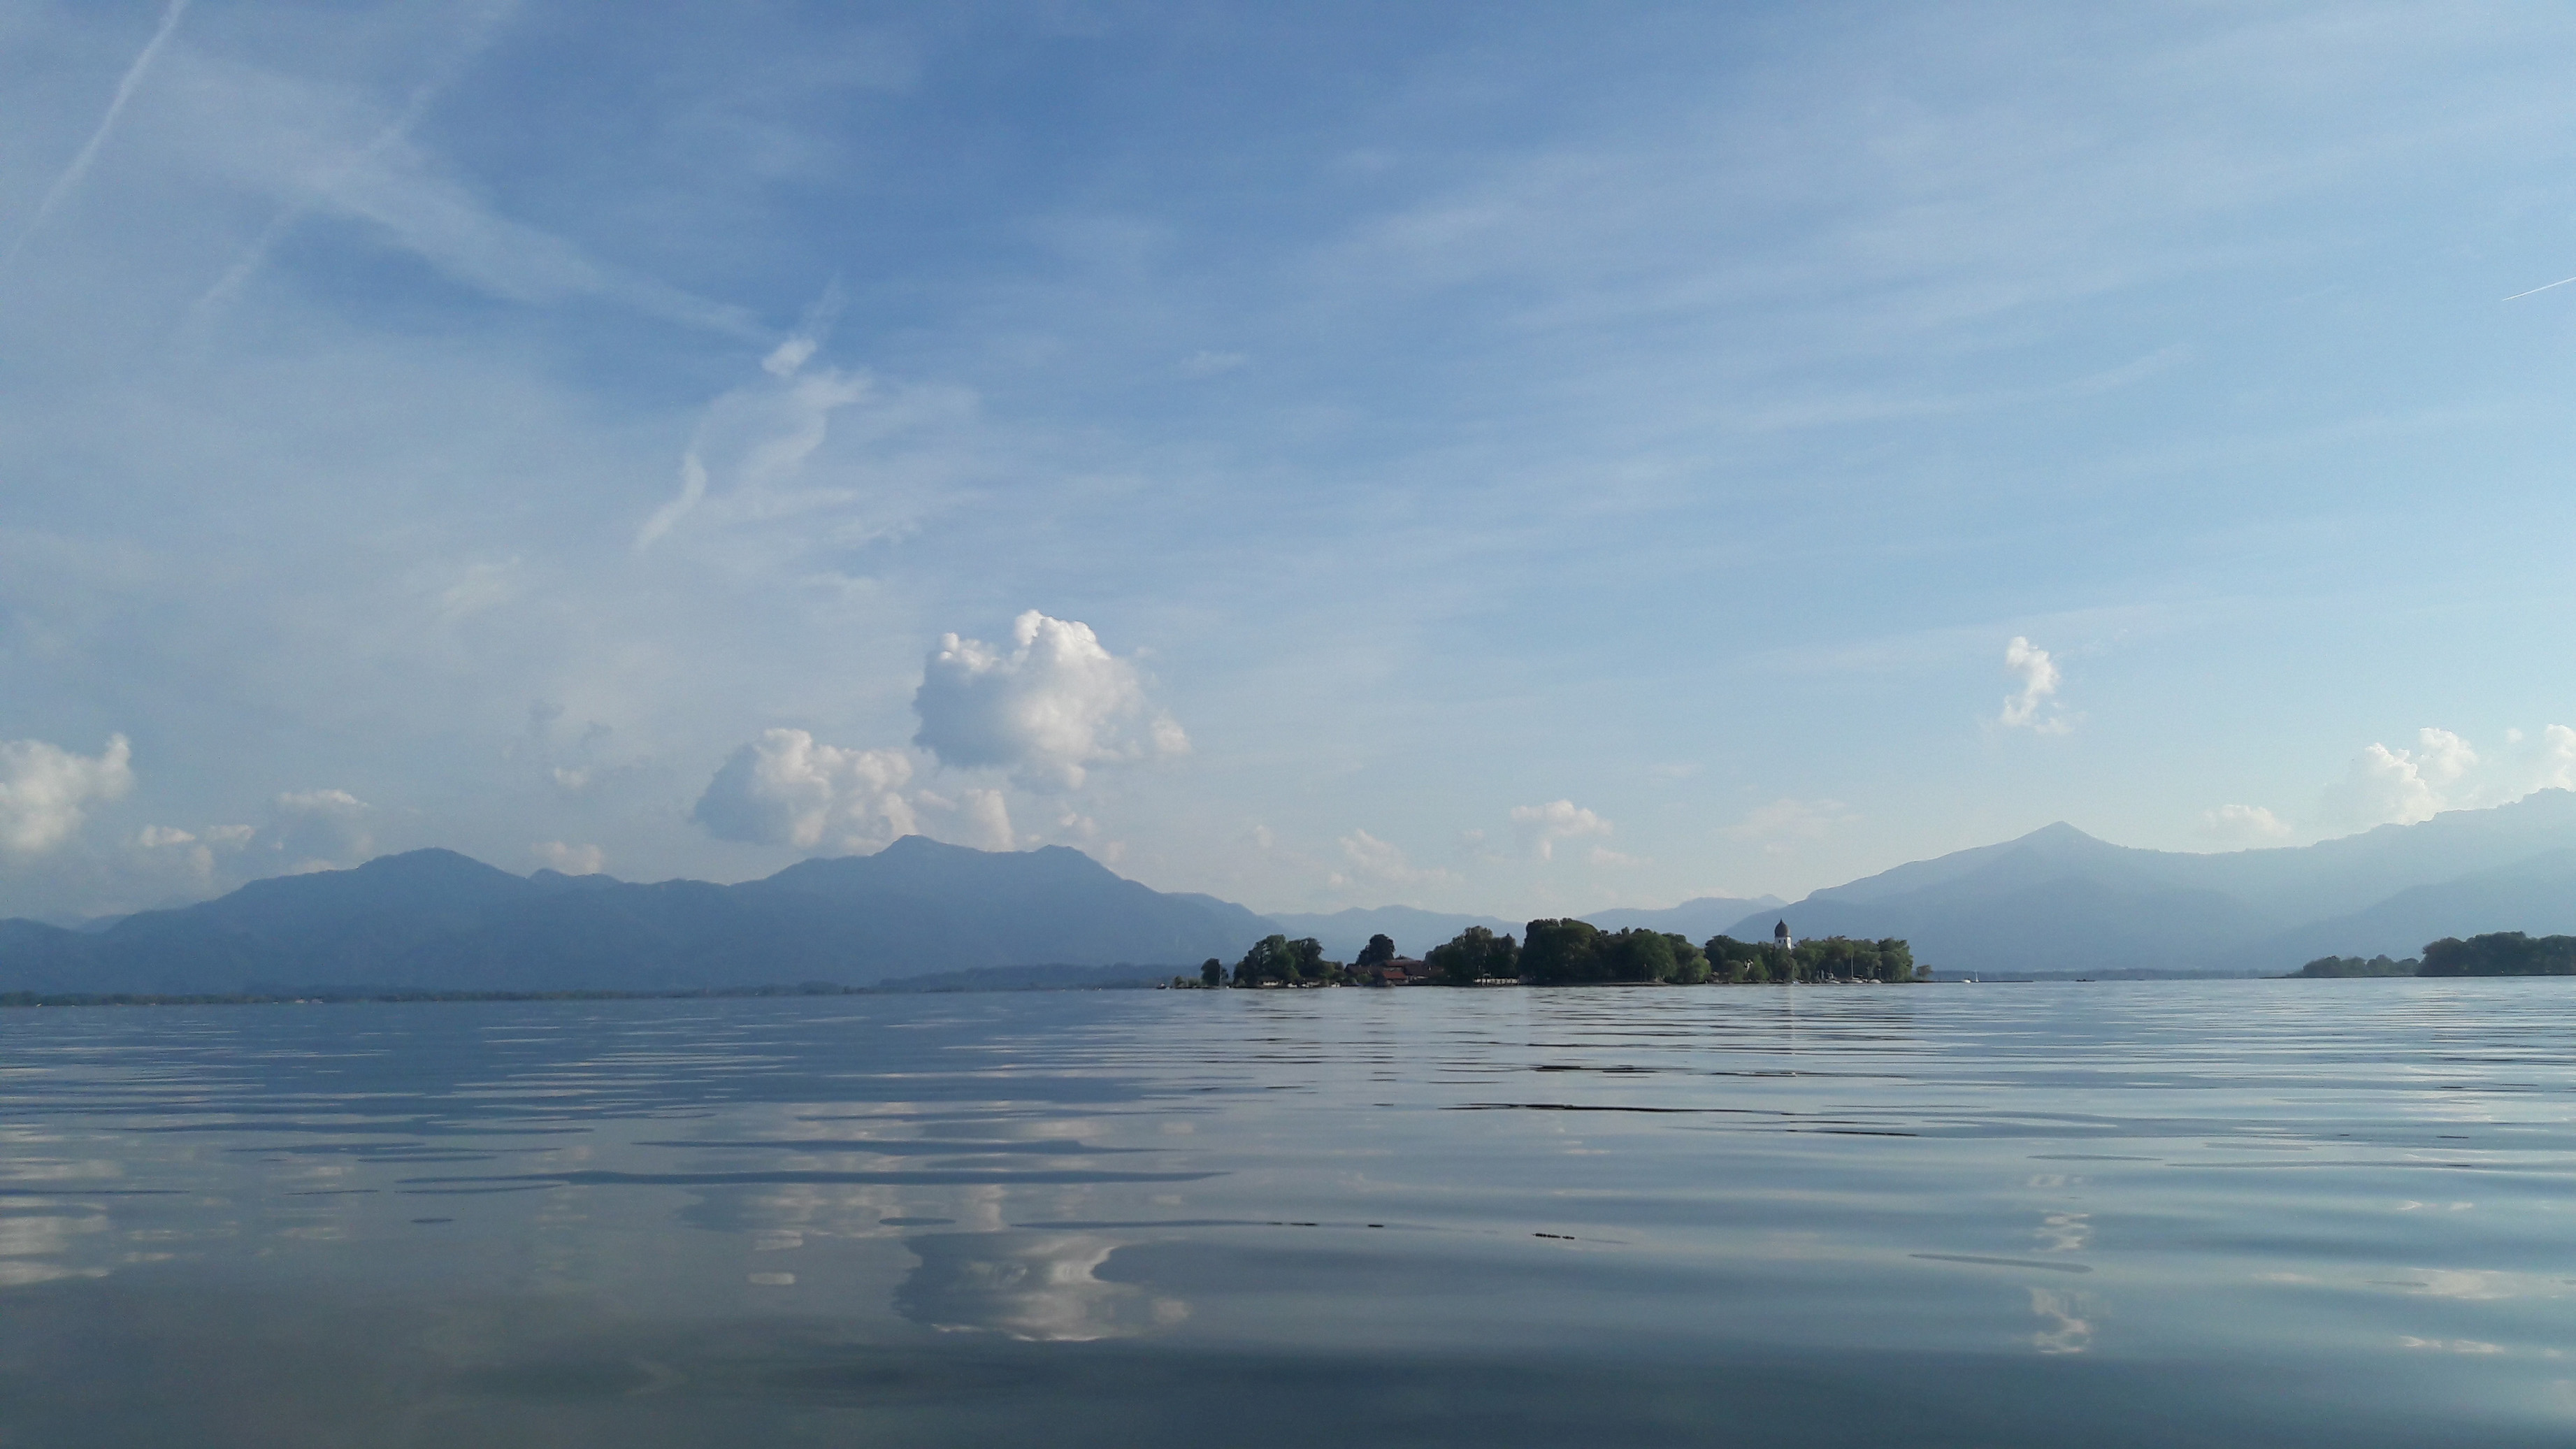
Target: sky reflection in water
[[2330, 1212]]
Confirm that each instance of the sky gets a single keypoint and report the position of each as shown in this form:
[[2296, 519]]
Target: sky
[[1507, 458]]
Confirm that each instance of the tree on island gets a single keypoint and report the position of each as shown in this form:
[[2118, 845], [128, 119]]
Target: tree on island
[[1571, 952], [1290, 963], [1380, 948], [1828, 958], [1474, 954], [2502, 953], [1212, 972]]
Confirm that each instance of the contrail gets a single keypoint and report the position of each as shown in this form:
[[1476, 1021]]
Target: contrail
[[80, 164], [218, 297], [2518, 296]]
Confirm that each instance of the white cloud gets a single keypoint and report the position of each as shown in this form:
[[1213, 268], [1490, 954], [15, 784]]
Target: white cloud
[[2547, 763], [752, 447], [191, 851], [800, 346], [1371, 861], [2443, 757], [319, 829], [2383, 786], [784, 789], [1603, 855], [571, 859], [1544, 825], [45, 791], [2034, 705], [980, 818], [2243, 825], [1053, 707]]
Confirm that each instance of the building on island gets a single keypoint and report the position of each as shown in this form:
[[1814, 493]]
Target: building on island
[[1781, 938]]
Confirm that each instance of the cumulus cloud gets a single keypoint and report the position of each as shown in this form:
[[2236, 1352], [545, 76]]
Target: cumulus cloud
[[980, 818], [2387, 785], [1544, 825], [46, 791], [192, 852], [319, 829], [2243, 825], [1050, 709], [571, 859], [2383, 786], [2033, 706], [2546, 763], [785, 789]]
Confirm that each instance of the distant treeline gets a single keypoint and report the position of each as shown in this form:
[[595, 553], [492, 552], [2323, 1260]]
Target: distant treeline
[[2501, 953], [2355, 966], [1575, 953]]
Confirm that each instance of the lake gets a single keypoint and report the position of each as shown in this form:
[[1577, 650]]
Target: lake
[[2227, 1213]]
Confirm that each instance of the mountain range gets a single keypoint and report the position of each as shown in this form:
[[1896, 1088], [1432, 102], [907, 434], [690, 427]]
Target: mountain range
[[436, 920], [2058, 900], [2055, 900]]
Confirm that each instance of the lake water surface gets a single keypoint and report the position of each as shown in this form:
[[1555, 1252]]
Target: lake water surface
[[2224, 1213]]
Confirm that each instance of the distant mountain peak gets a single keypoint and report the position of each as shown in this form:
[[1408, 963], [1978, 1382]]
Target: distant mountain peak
[[922, 847]]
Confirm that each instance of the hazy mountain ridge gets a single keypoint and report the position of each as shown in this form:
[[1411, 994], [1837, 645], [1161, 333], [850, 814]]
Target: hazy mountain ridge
[[2060, 900], [2055, 900], [436, 920]]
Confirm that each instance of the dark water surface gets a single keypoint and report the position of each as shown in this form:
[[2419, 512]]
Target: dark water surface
[[2276, 1213]]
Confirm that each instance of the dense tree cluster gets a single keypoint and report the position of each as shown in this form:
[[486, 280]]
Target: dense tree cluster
[[1569, 952], [1826, 958], [2504, 953], [1473, 955], [1290, 963]]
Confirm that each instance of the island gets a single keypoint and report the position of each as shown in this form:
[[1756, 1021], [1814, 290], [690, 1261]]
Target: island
[[2498, 953], [1567, 952]]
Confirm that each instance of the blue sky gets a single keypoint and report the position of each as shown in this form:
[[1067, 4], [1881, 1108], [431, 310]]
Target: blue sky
[[1502, 458]]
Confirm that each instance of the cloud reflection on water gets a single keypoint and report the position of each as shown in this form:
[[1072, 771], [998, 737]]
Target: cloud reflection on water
[[1041, 1287]]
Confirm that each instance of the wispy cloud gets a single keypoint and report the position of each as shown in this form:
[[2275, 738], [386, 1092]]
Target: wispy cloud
[[286, 138], [88, 153]]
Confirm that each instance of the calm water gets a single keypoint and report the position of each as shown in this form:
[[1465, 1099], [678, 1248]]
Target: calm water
[[2332, 1213]]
